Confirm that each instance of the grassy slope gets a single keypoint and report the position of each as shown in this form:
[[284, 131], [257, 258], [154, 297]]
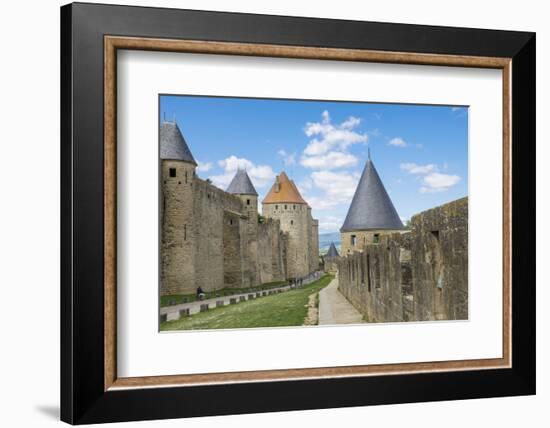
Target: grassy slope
[[279, 310]]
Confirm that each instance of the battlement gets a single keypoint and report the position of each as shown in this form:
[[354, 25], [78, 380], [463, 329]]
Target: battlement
[[417, 275]]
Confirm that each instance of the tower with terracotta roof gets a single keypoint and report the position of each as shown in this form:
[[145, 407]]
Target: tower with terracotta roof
[[177, 167], [370, 214], [284, 203]]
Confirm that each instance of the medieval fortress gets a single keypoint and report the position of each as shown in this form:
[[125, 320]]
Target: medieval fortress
[[216, 239]]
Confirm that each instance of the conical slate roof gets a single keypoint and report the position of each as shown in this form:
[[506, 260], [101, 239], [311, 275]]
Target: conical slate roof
[[332, 251], [284, 190], [241, 184], [371, 207], [172, 143]]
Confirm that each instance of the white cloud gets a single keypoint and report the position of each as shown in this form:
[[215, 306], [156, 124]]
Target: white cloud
[[397, 142], [330, 160], [437, 182], [338, 187], [329, 143], [330, 224], [350, 123], [321, 203], [305, 185], [261, 175], [418, 169], [432, 181], [288, 158], [204, 166]]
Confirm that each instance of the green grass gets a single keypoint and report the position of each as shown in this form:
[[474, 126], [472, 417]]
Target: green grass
[[278, 310], [176, 299]]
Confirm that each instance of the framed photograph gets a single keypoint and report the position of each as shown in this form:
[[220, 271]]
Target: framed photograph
[[267, 213]]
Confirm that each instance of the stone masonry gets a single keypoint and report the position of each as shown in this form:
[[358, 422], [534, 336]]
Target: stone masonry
[[417, 275], [214, 239]]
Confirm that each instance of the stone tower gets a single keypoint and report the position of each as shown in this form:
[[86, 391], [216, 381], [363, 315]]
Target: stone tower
[[177, 255], [284, 203], [370, 214], [242, 187], [331, 259]]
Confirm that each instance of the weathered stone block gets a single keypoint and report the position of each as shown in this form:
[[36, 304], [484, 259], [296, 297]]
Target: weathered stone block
[[232, 300], [219, 303], [204, 307]]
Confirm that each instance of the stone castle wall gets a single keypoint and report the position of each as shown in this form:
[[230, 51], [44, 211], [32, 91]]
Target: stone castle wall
[[212, 239], [331, 264], [272, 244], [294, 220], [414, 276], [314, 246], [360, 239]]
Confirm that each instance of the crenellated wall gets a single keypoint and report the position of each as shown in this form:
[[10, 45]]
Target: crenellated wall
[[212, 239], [413, 276]]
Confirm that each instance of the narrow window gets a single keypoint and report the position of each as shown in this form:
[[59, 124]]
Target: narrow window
[[185, 232], [248, 202], [172, 172], [285, 207], [376, 238], [293, 207], [276, 207], [185, 177], [291, 222], [231, 222], [353, 240]]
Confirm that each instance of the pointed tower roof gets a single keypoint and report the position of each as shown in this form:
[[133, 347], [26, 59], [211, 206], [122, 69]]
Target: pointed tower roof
[[284, 190], [172, 143], [371, 207], [241, 184], [332, 251]]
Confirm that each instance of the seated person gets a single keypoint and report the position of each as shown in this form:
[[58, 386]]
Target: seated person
[[200, 293]]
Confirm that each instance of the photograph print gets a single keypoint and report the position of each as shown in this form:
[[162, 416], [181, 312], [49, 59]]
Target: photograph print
[[287, 213]]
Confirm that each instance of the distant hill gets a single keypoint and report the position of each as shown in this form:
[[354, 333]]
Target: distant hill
[[326, 238]]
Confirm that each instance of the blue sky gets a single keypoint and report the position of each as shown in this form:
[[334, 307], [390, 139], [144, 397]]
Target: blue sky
[[420, 151]]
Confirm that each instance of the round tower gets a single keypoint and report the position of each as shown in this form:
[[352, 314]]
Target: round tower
[[242, 187], [284, 203], [370, 214], [177, 171]]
